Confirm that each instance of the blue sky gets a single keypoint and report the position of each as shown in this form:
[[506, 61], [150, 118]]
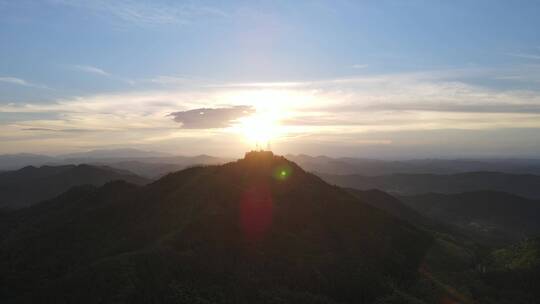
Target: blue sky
[[344, 77]]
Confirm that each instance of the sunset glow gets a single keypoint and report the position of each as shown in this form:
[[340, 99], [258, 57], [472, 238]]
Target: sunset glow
[[259, 129]]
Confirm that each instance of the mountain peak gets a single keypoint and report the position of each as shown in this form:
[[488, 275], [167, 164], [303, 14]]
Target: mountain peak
[[266, 163], [259, 155]]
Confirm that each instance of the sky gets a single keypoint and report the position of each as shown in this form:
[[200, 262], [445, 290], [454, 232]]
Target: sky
[[379, 79]]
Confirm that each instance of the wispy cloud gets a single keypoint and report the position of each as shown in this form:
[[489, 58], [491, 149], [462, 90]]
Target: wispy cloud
[[169, 80], [259, 85], [335, 108], [359, 66], [460, 108], [21, 82], [525, 56], [147, 12], [183, 80], [14, 80], [89, 69]]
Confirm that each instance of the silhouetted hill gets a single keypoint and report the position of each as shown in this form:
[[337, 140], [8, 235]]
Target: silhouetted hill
[[495, 216], [259, 230], [526, 185], [30, 185]]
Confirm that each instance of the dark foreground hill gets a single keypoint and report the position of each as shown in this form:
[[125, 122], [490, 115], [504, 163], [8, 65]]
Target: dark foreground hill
[[259, 230], [461, 260], [488, 215], [526, 185], [30, 185]]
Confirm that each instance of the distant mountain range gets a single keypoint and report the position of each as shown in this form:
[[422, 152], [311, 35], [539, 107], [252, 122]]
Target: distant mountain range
[[30, 185], [145, 163], [374, 167], [155, 164], [158, 166], [259, 230], [18, 161], [114, 153], [526, 185]]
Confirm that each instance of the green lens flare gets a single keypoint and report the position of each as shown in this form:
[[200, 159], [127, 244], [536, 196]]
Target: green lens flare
[[282, 172]]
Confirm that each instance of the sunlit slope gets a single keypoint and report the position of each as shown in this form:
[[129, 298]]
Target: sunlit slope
[[256, 230]]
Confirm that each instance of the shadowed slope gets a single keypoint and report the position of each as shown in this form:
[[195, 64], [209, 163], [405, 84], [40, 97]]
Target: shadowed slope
[[494, 216]]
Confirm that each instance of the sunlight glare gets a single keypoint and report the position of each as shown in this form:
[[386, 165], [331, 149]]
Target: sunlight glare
[[259, 129]]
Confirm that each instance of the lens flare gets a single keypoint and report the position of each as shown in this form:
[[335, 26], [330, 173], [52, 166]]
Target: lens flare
[[282, 173], [256, 210]]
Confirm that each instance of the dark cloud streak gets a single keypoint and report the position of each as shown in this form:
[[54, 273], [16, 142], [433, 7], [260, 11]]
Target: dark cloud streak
[[211, 118], [60, 130]]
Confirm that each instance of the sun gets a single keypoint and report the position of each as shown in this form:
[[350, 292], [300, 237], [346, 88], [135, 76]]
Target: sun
[[259, 129]]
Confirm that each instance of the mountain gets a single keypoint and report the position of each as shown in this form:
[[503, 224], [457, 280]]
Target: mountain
[[17, 161], [157, 167], [392, 205], [258, 230], [526, 185], [470, 272], [376, 167], [114, 153], [322, 164], [145, 163], [146, 169], [441, 231], [30, 185], [494, 216], [512, 272]]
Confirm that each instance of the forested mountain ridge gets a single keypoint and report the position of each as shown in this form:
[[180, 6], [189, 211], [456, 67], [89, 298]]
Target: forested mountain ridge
[[30, 185], [493, 216], [256, 230]]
